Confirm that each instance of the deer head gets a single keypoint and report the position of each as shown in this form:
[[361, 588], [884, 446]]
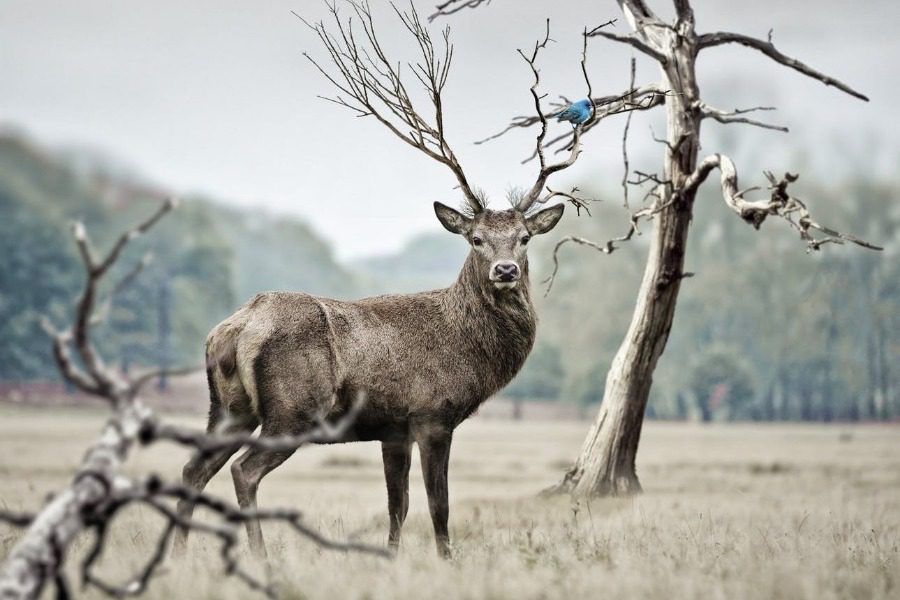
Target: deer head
[[499, 239]]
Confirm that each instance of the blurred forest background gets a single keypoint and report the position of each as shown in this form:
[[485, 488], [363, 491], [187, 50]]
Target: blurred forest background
[[763, 331]]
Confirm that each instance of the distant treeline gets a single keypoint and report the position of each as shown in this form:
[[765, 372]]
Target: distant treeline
[[763, 329], [206, 260]]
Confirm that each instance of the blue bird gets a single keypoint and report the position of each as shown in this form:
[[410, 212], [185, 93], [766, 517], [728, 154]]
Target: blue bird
[[576, 113]]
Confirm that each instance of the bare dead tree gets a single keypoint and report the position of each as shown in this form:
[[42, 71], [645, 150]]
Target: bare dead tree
[[606, 463], [99, 490]]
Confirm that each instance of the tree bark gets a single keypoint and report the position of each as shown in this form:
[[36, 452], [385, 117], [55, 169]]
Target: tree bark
[[606, 465], [41, 551]]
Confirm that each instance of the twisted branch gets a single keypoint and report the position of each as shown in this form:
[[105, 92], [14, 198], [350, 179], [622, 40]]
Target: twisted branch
[[779, 204]]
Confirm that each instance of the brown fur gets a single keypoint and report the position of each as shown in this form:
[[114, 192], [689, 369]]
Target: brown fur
[[424, 362]]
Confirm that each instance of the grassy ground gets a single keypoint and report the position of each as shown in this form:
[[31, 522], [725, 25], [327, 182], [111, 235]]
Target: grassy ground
[[729, 511]]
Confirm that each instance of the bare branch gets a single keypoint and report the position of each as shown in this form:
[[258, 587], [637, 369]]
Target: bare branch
[[97, 379], [449, 7], [734, 116], [779, 204], [99, 490], [102, 313], [636, 41], [153, 492], [607, 247], [138, 382], [533, 194], [292, 518], [137, 584], [373, 84], [16, 519], [579, 202], [611, 245], [709, 40], [593, 30], [131, 234], [206, 443], [63, 356], [642, 98]]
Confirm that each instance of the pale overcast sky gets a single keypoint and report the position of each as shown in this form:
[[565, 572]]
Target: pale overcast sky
[[214, 96]]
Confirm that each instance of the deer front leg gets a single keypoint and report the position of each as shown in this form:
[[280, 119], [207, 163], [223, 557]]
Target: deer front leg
[[397, 457], [434, 450]]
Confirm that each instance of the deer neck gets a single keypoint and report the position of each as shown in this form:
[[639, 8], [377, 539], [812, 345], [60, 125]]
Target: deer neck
[[499, 325]]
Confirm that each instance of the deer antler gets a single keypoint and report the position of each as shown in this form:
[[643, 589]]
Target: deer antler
[[533, 195], [372, 83]]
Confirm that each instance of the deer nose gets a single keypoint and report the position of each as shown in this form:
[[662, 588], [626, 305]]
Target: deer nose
[[506, 271]]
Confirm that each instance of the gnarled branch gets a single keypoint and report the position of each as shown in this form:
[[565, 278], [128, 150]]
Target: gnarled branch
[[779, 204]]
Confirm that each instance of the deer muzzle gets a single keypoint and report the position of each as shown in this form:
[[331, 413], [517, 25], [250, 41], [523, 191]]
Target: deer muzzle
[[505, 274]]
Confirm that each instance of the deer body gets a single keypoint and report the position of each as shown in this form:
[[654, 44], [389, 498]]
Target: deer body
[[433, 355], [424, 363]]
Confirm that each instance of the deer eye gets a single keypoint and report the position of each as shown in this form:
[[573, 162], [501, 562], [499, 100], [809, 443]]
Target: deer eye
[[476, 241], [525, 239]]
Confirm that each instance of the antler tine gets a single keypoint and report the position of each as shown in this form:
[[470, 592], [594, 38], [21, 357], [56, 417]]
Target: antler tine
[[533, 195], [372, 85]]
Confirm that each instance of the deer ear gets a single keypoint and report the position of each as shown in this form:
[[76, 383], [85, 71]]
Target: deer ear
[[545, 220], [453, 221]]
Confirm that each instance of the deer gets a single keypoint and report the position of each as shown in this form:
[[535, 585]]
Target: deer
[[425, 361]]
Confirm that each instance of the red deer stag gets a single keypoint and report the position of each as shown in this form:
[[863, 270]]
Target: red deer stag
[[424, 361]]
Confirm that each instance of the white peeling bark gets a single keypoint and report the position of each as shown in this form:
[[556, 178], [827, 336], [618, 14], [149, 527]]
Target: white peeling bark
[[37, 556]]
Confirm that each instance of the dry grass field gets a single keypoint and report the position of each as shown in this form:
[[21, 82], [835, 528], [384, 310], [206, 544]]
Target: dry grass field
[[729, 511]]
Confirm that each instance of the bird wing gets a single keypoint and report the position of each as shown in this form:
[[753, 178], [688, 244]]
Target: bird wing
[[566, 114]]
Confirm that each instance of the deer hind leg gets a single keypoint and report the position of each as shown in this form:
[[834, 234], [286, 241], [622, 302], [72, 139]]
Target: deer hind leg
[[434, 450], [247, 471], [202, 467], [397, 456]]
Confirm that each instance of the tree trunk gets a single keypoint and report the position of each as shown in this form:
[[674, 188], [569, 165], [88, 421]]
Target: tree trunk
[[37, 555], [606, 465]]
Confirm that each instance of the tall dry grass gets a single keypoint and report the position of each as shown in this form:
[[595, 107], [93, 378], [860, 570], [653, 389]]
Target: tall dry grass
[[729, 511]]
